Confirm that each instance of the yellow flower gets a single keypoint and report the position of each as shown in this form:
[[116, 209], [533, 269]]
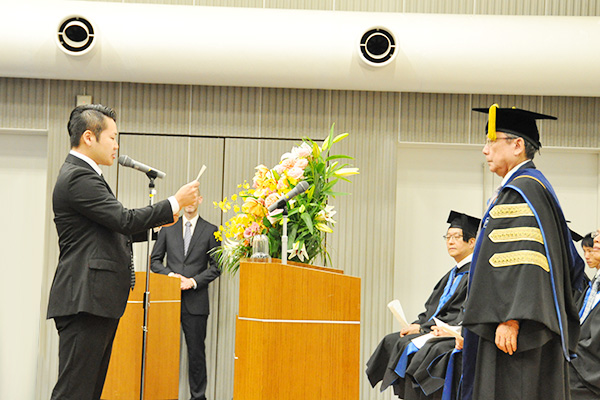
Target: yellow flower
[[346, 171], [236, 209], [233, 197], [323, 228], [252, 206]]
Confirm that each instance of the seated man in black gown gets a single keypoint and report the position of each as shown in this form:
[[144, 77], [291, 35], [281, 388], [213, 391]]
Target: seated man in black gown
[[444, 303], [584, 375]]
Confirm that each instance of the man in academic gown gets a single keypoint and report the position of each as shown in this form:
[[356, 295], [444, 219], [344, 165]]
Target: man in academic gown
[[445, 303], [521, 323], [584, 370]]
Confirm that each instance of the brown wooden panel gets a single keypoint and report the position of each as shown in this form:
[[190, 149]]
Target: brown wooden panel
[[162, 354], [296, 360], [271, 290], [297, 334]]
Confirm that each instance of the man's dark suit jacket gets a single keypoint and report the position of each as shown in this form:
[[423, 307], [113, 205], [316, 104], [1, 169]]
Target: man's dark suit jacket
[[94, 237], [196, 264]]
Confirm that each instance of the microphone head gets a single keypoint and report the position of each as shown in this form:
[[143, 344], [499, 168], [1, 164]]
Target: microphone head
[[302, 186], [125, 161]]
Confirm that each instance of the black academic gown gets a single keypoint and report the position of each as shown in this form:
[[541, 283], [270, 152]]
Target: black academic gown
[[585, 368], [384, 359], [427, 369], [523, 267]]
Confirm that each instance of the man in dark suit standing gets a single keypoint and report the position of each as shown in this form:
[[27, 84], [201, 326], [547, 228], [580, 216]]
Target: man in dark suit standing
[[95, 272], [186, 245]]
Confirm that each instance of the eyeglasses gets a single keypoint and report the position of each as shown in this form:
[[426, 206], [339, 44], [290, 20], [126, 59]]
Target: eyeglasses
[[596, 233], [488, 141], [455, 237]]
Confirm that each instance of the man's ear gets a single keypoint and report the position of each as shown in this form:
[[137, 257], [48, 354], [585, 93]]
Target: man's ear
[[519, 146], [472, 242], [87, 137]]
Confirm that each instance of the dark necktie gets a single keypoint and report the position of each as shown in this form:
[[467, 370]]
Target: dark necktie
[[187, 237]]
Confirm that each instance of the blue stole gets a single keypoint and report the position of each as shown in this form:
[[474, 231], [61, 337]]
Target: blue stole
[[449, 378], [449, 291], [587, 296]]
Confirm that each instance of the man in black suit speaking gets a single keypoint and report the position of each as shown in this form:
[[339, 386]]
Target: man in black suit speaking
[[95, 272], [186, 245]]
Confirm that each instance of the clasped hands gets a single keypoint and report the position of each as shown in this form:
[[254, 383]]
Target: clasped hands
[[186, 283]]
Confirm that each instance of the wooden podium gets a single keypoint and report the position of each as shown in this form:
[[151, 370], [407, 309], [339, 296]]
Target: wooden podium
[[162, 354], [297, 333]]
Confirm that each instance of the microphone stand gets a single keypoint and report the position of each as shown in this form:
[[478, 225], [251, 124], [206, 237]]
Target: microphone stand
[[146, 302], [284, 237]]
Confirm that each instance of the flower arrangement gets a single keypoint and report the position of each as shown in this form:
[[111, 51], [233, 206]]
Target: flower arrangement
[[309, 215]]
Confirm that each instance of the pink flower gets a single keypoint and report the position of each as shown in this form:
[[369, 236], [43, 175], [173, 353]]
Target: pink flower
[[301, 163], [272, 198], [304, 150], [279, 169], [288, 163], [296, 173], [252, 230]]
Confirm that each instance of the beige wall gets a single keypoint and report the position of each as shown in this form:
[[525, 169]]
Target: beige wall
[[253, 125]]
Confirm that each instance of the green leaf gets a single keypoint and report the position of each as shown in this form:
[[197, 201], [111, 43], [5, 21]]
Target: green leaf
[[338, 156], [339, 193], [308, 221]]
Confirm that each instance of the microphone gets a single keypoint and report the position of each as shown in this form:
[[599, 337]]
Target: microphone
[[300, 188], [126, 161]]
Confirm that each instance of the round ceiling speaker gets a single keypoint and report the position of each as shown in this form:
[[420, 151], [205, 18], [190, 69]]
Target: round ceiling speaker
[[76, 36], [377, 47]]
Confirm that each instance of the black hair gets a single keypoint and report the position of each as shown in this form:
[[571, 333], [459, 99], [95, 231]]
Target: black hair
[[587, 241], [468, 235], [88, 117]]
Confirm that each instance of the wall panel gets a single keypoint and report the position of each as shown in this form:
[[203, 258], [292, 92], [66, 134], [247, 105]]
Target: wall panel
[[225, 111], [573, 7], [443, 118], [23, 103], [230, 3], [439, 6], [369, 5], [150, 108], [578, 123], [511, 7], [300, 4], [295, 113]]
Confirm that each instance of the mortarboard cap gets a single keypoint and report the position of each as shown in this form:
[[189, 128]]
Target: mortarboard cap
[[575, 236], [514, 121], [464, 222]]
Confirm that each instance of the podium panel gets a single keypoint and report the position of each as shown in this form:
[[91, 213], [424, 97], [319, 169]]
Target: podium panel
[[297, 333], [162, 353]]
